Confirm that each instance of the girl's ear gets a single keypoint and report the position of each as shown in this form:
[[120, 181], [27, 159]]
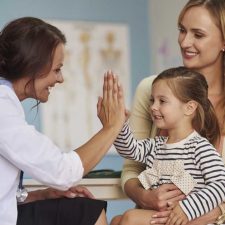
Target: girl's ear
[[190, 108], [223, 49]]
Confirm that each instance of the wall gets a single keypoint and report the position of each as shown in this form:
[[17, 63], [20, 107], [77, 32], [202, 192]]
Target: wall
[[163, 36], [132, 12]]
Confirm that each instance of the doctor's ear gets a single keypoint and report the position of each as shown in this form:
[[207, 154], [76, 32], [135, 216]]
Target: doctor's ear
[[191, 107]]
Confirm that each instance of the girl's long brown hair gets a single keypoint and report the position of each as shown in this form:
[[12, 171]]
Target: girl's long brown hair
[[188, 85]]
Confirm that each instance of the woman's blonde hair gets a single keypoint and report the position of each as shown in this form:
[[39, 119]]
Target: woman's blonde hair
[[188, 85], [217, 9]]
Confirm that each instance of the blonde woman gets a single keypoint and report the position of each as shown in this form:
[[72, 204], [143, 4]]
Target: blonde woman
[[202, 42]]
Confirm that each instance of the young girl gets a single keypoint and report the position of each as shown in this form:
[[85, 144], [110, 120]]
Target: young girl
[[180, 105]]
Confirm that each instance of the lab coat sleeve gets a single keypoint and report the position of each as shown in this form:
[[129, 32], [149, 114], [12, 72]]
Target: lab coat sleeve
[[34, 153]]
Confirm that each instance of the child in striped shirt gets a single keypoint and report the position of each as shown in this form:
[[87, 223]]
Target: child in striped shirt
[[186, 156]]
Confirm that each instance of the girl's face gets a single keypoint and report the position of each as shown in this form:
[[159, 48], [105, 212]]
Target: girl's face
[[166, 110], [43, 84], [200, 40]]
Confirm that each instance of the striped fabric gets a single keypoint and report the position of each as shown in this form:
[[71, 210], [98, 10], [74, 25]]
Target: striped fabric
[[200, 160]]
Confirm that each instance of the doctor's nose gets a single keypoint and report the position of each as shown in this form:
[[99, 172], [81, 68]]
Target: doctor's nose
[[59, 78]]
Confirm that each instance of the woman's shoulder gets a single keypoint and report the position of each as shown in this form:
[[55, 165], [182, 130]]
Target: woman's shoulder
[[145, 85], [9, 102], [147, 80]]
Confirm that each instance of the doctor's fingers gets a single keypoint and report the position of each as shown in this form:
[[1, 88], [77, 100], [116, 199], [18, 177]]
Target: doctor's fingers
[[82, 191], [99, 105], [108, 86]]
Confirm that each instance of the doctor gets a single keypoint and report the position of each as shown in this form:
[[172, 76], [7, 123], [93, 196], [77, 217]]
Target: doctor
[[31, 58]]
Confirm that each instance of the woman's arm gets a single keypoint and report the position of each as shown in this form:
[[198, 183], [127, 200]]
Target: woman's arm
[[111, 111]]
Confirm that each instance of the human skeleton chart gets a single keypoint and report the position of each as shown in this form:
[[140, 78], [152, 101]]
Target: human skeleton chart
[[70, 116]]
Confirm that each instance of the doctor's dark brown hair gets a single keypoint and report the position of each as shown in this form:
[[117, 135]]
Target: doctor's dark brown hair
[[27, 46], [188, 85], [216, 8]]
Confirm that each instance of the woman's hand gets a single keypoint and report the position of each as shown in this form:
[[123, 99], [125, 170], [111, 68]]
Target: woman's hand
[[173, 216], [76, 191], [155, 199], [160, 218], [111, 108], [160, 196], [177, 215], [51, 193], [111, 111]]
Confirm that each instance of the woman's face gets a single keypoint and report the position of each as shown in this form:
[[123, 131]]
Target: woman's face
[[200, 40], [44, 83]]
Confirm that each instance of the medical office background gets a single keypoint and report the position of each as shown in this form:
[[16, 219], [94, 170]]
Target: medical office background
[[152, 43]]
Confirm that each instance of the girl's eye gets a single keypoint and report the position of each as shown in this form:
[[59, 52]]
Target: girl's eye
[[162, 101]]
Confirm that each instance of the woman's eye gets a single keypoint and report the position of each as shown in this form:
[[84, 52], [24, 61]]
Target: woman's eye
[[181, 30], [198, 36], [58, 70], [151, 100]]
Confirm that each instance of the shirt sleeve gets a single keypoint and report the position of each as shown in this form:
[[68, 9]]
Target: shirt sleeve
[[141, 125], [34, 153], [130, 148], [203, 201]]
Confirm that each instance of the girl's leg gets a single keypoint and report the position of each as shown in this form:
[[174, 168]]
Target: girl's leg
[[102, 219], [137, 216], [116, 220]]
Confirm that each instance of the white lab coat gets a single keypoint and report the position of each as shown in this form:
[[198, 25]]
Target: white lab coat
[[22, 147]]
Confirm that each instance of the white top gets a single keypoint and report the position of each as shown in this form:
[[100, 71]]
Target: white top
[[22, 147], [199, 159]]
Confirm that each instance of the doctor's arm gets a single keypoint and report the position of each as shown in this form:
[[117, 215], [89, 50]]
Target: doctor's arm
[[112, 110]]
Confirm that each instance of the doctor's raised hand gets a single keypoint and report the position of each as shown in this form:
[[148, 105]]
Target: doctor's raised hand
[[111, 107]]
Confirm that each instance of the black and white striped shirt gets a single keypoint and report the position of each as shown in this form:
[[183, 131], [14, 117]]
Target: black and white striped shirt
[[200, 159]]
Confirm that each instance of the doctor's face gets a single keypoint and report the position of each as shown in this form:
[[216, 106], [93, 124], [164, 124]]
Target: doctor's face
[[46, 82]]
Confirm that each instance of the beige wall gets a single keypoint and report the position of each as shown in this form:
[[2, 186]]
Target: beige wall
[[164, 50]]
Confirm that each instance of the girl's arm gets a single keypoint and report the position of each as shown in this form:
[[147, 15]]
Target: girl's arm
[[206, 199], [130, 148], [141, 126]]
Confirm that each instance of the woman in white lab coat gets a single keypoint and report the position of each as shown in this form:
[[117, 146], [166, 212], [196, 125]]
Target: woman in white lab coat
[[31, 58]]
